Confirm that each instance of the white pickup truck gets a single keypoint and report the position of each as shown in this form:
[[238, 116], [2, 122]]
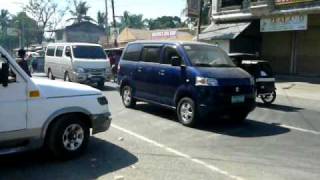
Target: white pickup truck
[[38, 113]]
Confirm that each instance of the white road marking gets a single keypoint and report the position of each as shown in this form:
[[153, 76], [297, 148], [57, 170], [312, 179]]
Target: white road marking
[[300, 129], [178, 153]]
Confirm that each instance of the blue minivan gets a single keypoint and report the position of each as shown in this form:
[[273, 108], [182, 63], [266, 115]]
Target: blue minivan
[[198, 80]]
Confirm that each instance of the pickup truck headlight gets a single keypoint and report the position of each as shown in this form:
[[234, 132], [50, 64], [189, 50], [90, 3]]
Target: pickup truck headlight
[[102, 100], [202, 81]]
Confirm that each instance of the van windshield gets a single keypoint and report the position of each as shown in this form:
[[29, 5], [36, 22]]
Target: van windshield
[[207, 56], [88, 52]]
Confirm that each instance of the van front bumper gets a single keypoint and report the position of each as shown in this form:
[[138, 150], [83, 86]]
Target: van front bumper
[[87, 78], [218, 101], [100, 122]]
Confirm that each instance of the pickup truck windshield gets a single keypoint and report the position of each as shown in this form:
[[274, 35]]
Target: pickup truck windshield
[[88, 52], [207, 56]]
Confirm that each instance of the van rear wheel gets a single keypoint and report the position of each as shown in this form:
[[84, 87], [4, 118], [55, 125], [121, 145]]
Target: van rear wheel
[[127, 98], [68, 137], [187, 113]]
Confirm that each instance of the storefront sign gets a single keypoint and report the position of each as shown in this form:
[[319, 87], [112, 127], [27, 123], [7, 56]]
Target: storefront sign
[[193, 8], [282, 2], [164, 35], [284, 23]]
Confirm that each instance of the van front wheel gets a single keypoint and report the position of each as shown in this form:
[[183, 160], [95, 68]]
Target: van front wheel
[[187, 113], [68, 137], [127, 98]]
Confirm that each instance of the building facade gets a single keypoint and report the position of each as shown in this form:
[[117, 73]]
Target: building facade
[[81, 32], [284, 32]]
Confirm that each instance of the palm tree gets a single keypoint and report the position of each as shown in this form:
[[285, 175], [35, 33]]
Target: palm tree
[[101, 17], [4, 20], [80, 12]]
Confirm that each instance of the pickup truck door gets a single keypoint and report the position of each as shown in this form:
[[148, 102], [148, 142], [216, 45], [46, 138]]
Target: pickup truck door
[[13, 103]]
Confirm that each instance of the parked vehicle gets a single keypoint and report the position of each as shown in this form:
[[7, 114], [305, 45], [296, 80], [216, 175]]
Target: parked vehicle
[[195, 79], [77, 62], [262, 72], [39, 112]]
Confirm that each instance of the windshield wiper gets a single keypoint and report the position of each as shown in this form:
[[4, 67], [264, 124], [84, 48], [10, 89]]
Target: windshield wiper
[[203, 65], [223, 65]]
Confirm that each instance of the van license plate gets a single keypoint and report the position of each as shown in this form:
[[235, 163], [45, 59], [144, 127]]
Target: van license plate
[[237, 99]]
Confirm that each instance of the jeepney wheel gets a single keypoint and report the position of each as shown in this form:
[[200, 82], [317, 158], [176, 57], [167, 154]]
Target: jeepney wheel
[[270, 98]]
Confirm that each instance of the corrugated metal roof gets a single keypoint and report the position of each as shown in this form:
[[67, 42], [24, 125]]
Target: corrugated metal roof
[[223, 31]]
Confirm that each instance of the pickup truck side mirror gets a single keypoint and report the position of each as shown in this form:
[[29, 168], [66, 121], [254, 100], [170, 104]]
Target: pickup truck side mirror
[[4, 75], [175, 61]]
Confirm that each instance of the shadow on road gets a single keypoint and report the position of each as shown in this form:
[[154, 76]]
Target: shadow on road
[[279, 107], [100, 159], [248, 129]]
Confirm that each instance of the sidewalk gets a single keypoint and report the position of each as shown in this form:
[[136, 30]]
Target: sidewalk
[[300, 87]]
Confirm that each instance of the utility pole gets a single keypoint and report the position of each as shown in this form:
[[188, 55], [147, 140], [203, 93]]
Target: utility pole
[[114, 25], [107, 24], [199, 19]]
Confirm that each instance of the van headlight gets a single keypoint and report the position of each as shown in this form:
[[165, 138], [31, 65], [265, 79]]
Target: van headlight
[[202, 81], [81, 70]]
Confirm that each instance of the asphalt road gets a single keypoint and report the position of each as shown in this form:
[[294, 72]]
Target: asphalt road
[[276, 142]]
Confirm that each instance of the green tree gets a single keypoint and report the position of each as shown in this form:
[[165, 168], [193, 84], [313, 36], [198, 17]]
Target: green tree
[[4, 20], [132, 21], [79, 13], [28, 28], [43, 11], [164, 22], [101, 18]]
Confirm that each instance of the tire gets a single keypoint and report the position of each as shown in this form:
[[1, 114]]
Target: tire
[[67, 77], [187, 112], [61, 141], [269, 99], [127, 99], [50, 75]]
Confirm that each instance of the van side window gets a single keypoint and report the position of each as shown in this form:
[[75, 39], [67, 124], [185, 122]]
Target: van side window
[[170, 52], [59, 51], [151, 54], [132, 52], [50, 51]]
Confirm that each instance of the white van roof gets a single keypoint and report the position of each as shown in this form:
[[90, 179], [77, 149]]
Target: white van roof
[[73, 44]]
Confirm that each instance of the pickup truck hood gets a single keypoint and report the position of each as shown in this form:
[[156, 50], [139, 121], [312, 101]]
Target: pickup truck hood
[[54, 89]]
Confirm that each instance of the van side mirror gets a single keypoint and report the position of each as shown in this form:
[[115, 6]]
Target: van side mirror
[[68, 54], [4, 75], [175, 61]]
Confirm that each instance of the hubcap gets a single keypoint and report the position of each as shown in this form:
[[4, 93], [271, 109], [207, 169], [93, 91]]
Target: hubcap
[[186, 112], [127, 96], [268, 98], [73, 137]]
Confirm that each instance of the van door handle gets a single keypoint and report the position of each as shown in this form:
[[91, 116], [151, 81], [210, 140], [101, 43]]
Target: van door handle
[[140, 69]]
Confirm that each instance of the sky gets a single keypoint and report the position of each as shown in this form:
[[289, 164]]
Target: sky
[[148, 8]]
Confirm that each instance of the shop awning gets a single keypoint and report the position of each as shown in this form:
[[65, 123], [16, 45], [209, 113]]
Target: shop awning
[[223, 31]]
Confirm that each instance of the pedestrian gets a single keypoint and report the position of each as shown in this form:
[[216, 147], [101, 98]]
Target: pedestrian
[[117, 56], [23, 62], [112, 64]]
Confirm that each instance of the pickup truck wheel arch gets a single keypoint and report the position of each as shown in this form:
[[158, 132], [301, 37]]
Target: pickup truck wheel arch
[[71, 110]]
